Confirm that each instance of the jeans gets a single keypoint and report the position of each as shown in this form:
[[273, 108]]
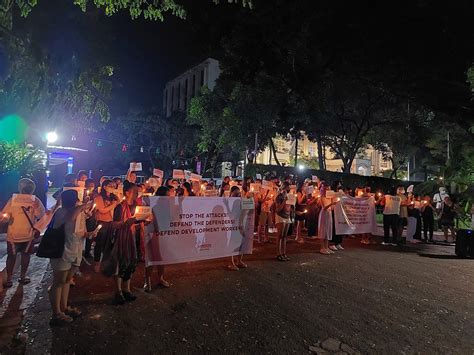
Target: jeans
[[428, 226], [390, 221]]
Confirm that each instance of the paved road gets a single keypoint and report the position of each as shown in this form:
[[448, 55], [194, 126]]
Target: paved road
[[373, 299]]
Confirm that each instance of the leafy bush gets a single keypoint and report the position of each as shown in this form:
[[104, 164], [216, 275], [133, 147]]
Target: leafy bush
[[22, 158]]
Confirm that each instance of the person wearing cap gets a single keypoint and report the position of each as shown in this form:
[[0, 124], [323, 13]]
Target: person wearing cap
[[21, 217]]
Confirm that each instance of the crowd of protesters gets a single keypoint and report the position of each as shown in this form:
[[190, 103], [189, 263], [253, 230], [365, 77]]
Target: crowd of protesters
[[99, 226]]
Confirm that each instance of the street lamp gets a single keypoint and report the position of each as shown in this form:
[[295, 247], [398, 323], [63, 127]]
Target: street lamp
[[51, 137], [301, 167]]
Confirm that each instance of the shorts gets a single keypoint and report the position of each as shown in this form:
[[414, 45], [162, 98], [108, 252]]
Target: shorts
[[22, 247], [279, 219], [60, 264]]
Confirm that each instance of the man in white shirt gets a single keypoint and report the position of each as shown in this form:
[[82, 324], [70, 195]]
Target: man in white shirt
[[21, 212]]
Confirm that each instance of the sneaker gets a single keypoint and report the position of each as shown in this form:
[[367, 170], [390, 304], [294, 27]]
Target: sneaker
[[129, 297], [339, 247], [383, 243], [333, 248], [147, 287]]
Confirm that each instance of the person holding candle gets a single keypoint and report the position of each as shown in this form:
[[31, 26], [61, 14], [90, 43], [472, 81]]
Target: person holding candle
[[325, 223], [239, 264], [20, 232], [105, 202], [300, 212], [282, 220], [427, 215]]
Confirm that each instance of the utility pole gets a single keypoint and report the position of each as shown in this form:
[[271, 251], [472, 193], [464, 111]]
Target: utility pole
[[255, 148], [296, 150]]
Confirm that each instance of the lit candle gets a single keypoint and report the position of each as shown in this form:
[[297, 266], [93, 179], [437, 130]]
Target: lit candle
[[305, 211], [379, 194], [5, 215]]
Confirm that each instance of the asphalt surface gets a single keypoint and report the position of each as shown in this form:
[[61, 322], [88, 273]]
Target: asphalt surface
[[372, 299]]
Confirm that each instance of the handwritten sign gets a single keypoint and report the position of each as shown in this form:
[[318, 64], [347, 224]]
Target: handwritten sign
[[134, 166], [143, 212], [187, 174], [195, 177], [248, 204], [159, 173], [291, 199], [178, 174], [258, 176]]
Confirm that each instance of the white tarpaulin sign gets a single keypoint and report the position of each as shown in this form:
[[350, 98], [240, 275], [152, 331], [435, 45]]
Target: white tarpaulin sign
[[190, 229], [355, 215]]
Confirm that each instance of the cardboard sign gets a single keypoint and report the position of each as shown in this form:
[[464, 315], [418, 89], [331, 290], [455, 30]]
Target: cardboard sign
[[80, 191], [248, 204], [195, 177], [258, 176], [134, 166], [291, 199], [314, 178], [255, 188], [268, 185], [142, 212], [178, 174], [22, 200], [158, 172]]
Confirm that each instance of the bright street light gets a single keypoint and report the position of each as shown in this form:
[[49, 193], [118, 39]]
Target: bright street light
[[301, 167], [51, 137]]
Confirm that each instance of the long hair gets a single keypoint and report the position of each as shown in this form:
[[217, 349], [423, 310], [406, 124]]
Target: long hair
[[103, 193]]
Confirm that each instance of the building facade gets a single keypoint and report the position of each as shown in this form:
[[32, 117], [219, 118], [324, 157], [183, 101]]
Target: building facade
[[369, 162], [179, 91]]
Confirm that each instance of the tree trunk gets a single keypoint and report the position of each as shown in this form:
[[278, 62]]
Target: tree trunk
[[272, 147], [321, 155]]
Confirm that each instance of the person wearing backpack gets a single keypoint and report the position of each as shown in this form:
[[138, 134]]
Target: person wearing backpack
[[21, 213]]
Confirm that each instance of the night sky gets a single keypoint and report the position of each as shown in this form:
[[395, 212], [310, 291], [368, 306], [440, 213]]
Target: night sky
[[145, 54]]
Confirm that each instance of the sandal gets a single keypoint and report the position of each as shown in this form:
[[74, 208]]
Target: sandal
[[24, 280], [73, 312], [164, 283], [242, 265], [280, 258], [232, 267], [59, 320]]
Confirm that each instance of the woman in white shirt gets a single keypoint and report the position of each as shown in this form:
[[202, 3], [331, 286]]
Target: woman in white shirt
[[72, 217]]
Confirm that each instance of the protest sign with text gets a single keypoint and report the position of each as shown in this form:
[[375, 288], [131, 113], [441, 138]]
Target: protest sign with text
[[190, 229], [355, 215]]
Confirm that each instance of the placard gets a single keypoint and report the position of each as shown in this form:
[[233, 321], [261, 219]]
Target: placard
[[248, 204], [258, 176], [210, 193], [158, 172], [142, 213], [24, 200], [291, 199], [192, 229], [195, 177], [267, 185], [355, 215], [178, 174], [134, 166], [255, 187], [293, 189], [314, 178]]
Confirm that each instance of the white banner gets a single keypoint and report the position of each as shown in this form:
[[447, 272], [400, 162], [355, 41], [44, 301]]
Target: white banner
[[355, 215], [196, 228]]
